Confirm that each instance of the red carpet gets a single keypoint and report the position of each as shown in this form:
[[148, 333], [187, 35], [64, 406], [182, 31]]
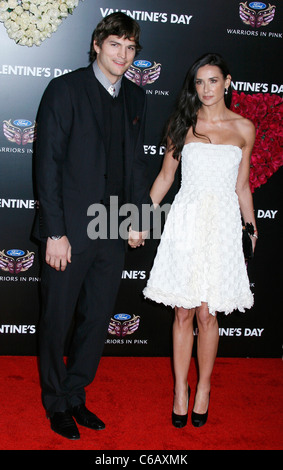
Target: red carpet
[[134, 398]]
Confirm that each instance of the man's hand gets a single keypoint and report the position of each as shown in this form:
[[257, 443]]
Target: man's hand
[[137, 239], [58, 253]]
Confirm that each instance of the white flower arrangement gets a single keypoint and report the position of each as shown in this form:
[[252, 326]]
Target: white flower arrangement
[[29, 22]]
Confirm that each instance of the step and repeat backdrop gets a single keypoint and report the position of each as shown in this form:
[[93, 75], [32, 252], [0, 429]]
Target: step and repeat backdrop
[[45, 42]]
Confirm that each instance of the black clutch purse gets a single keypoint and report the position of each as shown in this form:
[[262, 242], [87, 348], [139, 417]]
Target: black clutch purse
[[248, 231]]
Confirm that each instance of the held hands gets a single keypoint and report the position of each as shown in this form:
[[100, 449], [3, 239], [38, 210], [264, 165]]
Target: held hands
[[58, 253], [137, 239]]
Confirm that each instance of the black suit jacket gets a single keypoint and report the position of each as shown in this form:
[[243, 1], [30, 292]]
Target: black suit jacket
[[70, 157]]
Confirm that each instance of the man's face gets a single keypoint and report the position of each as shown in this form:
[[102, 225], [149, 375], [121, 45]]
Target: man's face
[[115, 56]]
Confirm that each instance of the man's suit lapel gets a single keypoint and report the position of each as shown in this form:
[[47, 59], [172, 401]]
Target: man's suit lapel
[[95, 99], [129, 137]]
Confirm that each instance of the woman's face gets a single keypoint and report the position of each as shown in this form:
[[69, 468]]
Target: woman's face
[[210, 84]]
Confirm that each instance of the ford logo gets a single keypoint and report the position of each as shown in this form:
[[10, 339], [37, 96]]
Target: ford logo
[[257, 5], [142, 63], [122, 316], [15, 252], [22, 123]]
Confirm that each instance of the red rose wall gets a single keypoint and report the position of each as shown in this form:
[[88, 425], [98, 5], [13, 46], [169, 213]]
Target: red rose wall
[[250, 36]]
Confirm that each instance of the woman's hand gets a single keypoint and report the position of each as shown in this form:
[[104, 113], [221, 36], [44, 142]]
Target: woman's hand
[[137, 239]]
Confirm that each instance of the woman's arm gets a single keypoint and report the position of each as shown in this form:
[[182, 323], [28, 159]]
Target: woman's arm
[[160, 187], [243, 186], [165, 178]]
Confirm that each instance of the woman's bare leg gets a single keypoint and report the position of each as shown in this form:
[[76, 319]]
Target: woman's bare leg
[[207, 346], [182, 352]]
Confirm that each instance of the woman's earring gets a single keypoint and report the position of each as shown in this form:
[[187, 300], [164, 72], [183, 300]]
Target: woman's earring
[[226, 91]]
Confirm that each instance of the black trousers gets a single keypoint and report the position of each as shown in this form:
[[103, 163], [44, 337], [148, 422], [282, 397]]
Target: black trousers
[[89, 287]]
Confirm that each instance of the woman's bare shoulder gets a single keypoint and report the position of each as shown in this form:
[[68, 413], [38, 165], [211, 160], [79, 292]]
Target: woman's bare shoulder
[[244, 126]]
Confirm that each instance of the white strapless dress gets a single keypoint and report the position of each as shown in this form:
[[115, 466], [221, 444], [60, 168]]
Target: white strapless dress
[[200, 256]]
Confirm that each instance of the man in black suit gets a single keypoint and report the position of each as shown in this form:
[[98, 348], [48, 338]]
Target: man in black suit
[[89, 151]]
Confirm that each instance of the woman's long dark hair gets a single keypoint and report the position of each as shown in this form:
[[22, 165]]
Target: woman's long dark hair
[[188, 104]]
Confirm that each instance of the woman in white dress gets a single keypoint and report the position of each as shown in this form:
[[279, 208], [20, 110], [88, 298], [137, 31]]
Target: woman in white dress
[[199, 268]]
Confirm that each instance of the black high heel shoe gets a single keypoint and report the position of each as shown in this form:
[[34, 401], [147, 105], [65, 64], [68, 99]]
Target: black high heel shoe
[[179, 421], [198, 419]]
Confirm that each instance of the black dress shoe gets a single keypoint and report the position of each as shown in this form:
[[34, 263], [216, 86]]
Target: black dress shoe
[[86, 418], [198, 419], [63, 424], [179, 421]]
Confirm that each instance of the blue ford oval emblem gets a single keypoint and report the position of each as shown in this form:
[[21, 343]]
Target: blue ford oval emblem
[[142, 63], [257, 5], [22, 123], [122, 316], [15, 252]]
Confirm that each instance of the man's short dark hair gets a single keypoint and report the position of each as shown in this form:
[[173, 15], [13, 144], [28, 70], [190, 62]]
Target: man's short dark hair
[[116, 24]]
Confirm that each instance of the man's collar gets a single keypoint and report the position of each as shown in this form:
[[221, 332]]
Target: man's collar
[[105, 82]]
